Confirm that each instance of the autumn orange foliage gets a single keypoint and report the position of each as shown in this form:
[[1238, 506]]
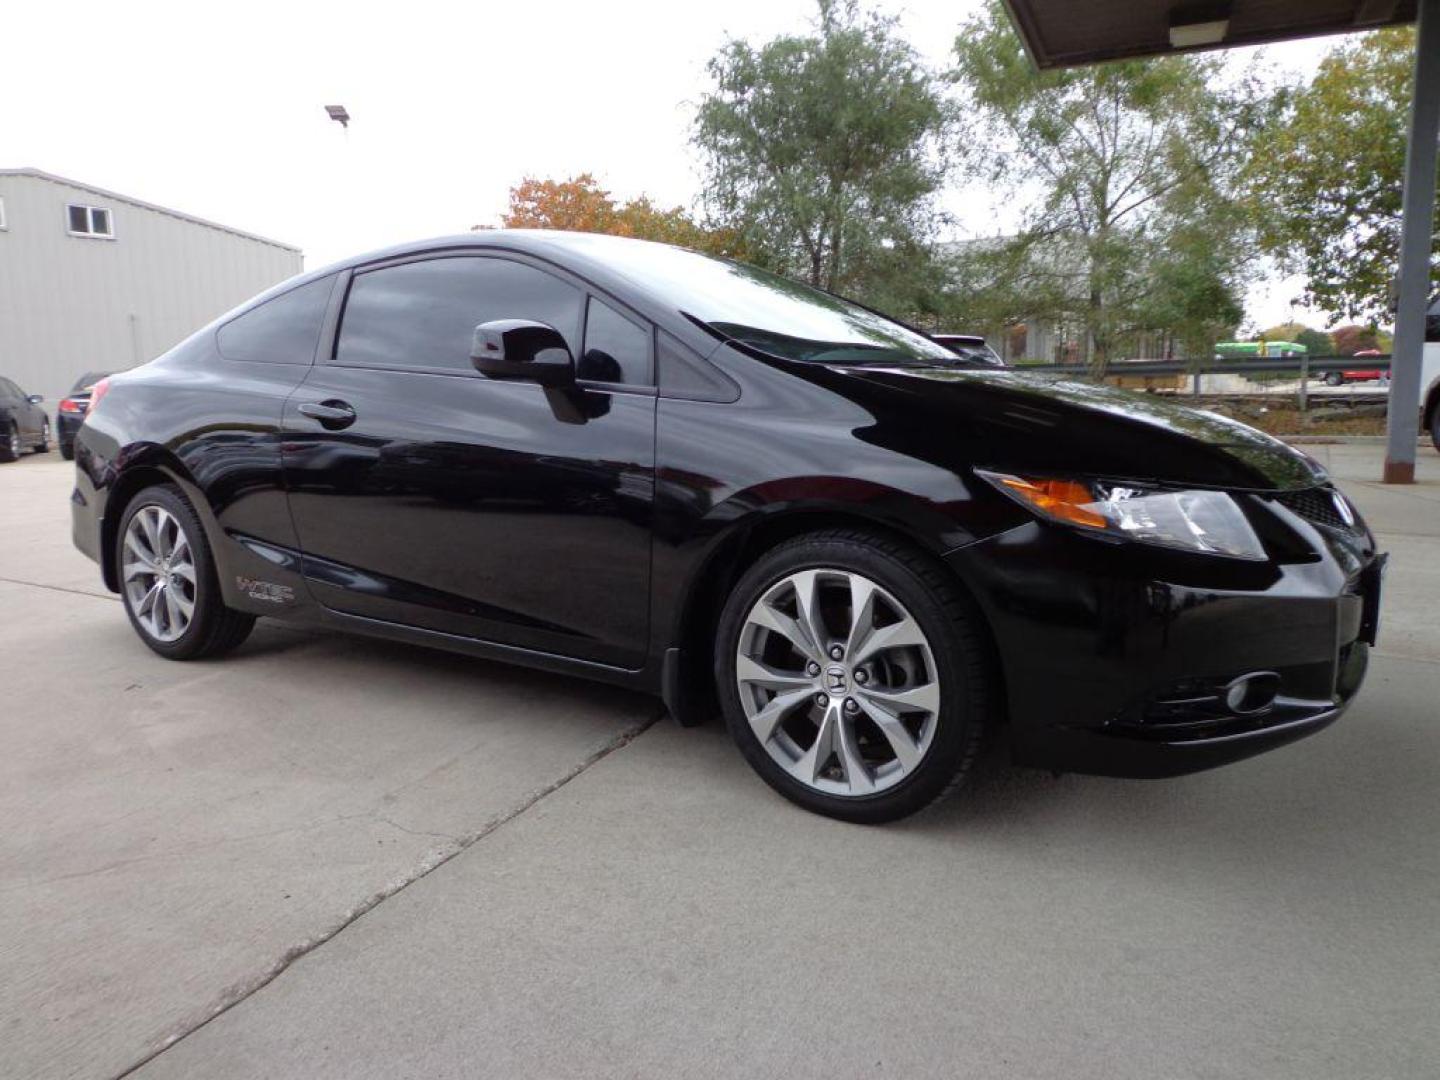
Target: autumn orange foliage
[[581, 205]]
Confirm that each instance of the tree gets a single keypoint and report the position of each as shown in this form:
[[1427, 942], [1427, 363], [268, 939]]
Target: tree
[[581, 205], [1316, 342], [644, 220], [822, 151], [1133, 226], [1327, 175], [1352, 339], [578, 204], [1191, 295]]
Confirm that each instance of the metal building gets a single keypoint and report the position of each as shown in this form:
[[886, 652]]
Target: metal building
[[95, 281]]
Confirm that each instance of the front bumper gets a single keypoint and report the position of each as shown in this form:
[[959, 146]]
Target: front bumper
[[1117, 659]]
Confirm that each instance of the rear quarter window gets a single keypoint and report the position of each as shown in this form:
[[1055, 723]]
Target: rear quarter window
[[283, 330]]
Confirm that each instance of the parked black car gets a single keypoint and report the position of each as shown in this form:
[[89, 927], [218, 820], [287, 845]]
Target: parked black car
[[971, 347], [23, 423], [623, 460], [70, 413]]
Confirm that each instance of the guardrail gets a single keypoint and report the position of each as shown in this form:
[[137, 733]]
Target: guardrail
[[1314, 365], [1154, 375]]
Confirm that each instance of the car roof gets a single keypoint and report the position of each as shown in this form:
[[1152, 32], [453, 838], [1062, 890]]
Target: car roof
[[576, 249], [90, 378], [579, 252]]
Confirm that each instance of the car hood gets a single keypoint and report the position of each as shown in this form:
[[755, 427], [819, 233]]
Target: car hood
[[1014, 421]]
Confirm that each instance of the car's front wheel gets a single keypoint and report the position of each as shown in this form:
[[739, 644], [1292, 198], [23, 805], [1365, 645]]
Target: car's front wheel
[[43, 447], [853, 675], [1334, 378], [168, 582]]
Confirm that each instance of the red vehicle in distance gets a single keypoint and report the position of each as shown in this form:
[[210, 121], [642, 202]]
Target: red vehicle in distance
[[1338, 378]]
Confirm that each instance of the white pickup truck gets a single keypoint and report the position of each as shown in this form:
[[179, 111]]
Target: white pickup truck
[[1430, 374]]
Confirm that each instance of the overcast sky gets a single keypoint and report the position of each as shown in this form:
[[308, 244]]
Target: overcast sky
[[217, 110]]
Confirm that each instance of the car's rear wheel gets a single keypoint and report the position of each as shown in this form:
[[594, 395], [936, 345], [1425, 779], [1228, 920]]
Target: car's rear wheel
[[1334, 378], [67, 451], [9, 442], [167, 579], [1435, 426], [853, 675]]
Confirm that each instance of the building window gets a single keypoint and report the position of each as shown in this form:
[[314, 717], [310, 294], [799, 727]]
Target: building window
[[89, 221]]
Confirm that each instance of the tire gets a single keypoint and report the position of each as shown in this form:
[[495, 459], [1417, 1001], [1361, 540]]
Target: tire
[[67, 451], [9, 442], [1435, 427], [43, 446], [1334, 378], [160, 517], [864, 771]]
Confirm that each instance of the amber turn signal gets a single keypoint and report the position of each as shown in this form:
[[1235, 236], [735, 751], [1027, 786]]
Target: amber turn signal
[[1065, 500]]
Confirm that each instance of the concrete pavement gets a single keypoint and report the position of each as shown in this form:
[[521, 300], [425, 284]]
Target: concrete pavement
[[174, 831]]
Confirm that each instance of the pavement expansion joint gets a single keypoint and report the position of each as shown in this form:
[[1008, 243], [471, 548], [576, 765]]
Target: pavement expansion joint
[[245, 988], [61, 588]]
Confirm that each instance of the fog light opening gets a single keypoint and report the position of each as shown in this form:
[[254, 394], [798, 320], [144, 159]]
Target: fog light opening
[[1253, 693]]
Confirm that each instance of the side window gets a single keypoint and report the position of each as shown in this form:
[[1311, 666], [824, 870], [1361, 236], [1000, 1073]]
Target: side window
[[422, 315], [616, 349], [1432, 321], [283, 330], [683, 374], [9, 389]]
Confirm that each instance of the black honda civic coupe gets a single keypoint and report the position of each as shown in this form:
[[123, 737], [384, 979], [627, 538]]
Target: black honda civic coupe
[[627, 461]]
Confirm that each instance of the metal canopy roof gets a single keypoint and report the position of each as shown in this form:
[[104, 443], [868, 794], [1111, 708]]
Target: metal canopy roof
[[1063, 33]]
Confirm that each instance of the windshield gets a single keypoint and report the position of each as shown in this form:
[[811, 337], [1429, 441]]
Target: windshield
[[764, 310]]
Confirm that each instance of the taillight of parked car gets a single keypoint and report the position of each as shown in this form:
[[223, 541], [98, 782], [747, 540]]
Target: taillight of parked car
[[101, 389], [71, 406]]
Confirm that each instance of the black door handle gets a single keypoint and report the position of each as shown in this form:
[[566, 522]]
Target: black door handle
[[331, 414]]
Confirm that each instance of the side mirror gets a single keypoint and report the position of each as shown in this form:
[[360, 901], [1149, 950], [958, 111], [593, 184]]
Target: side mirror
[[522, 349], [35, 399]]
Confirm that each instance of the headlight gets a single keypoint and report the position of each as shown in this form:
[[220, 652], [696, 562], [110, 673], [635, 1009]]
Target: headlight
[[1208, 522]]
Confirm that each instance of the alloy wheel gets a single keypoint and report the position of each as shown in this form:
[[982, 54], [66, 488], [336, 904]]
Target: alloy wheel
[[14, 443], [838, 682], [158, 571]]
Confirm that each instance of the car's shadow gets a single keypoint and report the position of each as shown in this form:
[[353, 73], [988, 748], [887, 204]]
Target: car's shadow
[[1344, 794], [274, 640], [1291, 799]]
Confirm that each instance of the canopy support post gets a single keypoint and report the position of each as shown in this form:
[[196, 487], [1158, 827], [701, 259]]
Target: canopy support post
[[1402, 423]]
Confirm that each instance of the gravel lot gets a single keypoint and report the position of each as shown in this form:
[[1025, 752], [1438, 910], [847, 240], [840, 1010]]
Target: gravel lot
[[331, 857]]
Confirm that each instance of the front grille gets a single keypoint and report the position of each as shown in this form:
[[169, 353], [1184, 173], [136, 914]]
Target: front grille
[[1315, 505]]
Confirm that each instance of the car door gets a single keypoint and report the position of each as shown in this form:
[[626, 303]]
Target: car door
[[427, 494], [34, 417]]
